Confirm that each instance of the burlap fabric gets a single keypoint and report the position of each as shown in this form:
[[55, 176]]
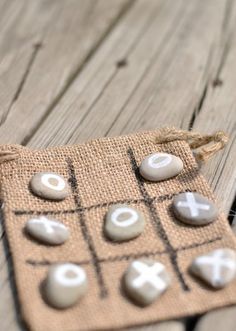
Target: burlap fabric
[[101, 173]]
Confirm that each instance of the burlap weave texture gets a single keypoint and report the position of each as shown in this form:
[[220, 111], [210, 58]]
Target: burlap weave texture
[[100, 173]]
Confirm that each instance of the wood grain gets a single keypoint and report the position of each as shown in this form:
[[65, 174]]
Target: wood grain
[[54, 39]]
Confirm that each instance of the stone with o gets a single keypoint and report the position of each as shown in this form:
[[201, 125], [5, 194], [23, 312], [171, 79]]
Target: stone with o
[[216, 268], [65, 285], [49, 185], [160, 166], [194, 209], [145, 281], [123, 222]]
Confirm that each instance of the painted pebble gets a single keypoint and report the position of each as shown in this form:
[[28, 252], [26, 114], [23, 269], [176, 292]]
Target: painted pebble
[[217, 268], [145, 280], [123, 223], [49, 185], [160, 166], [47, 230], [65, 285], [193, 208]]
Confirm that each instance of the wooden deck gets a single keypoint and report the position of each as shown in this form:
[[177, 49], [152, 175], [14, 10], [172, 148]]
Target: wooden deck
[[77, 69]]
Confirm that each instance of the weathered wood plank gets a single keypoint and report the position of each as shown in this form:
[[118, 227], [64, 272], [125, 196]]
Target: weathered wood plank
[[49, 55], [21, 30], [91, 85]]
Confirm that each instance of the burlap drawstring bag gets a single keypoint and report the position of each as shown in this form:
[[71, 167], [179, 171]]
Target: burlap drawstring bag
[[101, 173]]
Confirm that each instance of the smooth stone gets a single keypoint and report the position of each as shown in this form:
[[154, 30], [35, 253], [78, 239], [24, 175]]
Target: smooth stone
[[160, 166], [49, 185], [65, 285], [47, 230], [217, 268], [194, 209], [145, 280], [123, 223]]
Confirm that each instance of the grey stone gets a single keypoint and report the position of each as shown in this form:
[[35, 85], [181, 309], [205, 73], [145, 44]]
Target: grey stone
[[123, 223], [160, 166], [193, 208], [145, 280], [65, 285], [49, 185], [216, 268], [47, 230]]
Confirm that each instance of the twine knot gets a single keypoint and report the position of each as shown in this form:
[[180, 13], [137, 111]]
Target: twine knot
[[196, 140], [9, 152], [221, 137]]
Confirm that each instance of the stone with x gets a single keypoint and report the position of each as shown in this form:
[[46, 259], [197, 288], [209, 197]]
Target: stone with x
[[217, 268], [146, 280], [193, 208]]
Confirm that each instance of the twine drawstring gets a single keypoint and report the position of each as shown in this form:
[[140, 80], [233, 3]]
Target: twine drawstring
[[217, 141], [9, 152], [196, 140]]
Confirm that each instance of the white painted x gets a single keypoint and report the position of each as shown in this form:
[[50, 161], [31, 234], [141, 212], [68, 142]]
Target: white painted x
[[149, 274], [48, 224], [192, 204], [218, 262]]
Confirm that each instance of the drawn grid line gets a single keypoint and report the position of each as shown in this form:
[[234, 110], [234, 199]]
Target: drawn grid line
[[82, 209], [146, 199], [85, 232], [127, 257], [156, 221]]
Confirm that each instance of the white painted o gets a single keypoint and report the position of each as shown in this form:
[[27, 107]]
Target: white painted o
[[130, 221], [60, 182], [153, 158], [64, 280]]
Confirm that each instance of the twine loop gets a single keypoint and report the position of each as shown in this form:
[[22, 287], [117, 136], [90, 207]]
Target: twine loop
[[196, 140], [217, 141]]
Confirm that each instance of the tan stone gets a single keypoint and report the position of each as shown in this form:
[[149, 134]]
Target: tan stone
[[193, 208], [160, 166], [49, 185], [217, 268], [145, 280], [47, 230], [65, 285], [123, 223]]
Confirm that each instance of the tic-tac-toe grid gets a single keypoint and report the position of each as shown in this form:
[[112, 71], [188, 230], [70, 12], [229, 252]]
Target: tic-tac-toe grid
[[102, 173]]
